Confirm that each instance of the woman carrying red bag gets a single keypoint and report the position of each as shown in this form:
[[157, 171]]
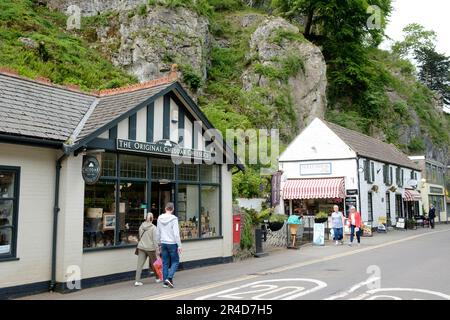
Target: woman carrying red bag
[[147, 248]]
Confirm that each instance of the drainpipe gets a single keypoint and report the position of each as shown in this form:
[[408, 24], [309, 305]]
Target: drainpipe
[[359, 185], [56, 210]]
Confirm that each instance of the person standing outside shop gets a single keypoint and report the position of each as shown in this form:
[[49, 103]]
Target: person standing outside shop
[[432, 215], [170, 242], [355, 225], [337, 223], [147, 247]]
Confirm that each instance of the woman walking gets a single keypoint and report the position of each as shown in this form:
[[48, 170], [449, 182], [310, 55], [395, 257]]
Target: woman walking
[[337, 223], [355, 225], [147, 247]]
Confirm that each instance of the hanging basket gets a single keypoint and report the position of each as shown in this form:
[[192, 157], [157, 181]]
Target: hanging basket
[[275, 226]]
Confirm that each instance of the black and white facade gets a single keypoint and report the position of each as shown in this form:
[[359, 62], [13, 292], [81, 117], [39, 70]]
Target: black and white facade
[[79, 172]]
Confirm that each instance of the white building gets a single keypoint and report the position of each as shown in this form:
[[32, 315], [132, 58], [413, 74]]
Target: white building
[[327, 164], [433, 186], [79, 172]]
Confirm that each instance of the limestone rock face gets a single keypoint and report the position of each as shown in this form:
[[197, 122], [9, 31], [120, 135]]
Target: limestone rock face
[[95, 7], [146, 42], [308, 85]]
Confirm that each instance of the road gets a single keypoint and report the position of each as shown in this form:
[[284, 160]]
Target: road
[[398, 265]]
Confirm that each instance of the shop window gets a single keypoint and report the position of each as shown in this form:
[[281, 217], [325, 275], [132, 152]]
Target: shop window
[[109, 165], [99, 214], [9, 189], [163, 169], [388, 207], [133, 167], [372, 172], [370, 206], [209, 212], [210, 174], [386, 177], [187, 210], [367, 170], [132, 205], [188, 172]]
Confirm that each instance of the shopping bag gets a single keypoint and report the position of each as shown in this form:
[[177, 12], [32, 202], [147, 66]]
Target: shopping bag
[[158, 268]]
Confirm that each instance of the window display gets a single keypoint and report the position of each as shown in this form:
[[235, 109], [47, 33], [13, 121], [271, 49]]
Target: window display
[[197, 205], [131, 211], [133, 167], [210, 174], [108, 166], [8, 203], [210, 212], [188, 211], [99, 202], [163, 169]]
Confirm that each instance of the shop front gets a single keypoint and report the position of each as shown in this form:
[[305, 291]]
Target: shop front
[[116, 205], [76, 188], [411, 200], [311, 196]]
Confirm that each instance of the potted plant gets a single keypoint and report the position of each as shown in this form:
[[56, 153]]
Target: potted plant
[[321, 217], [411, 224], [276, 221], [375, 188]]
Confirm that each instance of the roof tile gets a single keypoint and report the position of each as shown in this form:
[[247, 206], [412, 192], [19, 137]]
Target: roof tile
[[372, 148]]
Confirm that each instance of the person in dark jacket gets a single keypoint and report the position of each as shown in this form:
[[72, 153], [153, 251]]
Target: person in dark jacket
[[432, 215]]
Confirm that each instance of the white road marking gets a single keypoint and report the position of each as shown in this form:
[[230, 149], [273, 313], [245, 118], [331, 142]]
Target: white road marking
[[353, 289], [439, 294], [184, 292], [269, 288]]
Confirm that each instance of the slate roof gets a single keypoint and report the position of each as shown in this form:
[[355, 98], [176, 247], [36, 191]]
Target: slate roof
[[372, 148], [113, 106], [34, 109], [43, 110]]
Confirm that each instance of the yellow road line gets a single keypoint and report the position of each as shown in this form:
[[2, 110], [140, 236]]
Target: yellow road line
[[285, 268]]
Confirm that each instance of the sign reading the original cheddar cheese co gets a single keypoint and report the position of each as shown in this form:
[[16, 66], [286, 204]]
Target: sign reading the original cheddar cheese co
[[164, 147], [91, 170]]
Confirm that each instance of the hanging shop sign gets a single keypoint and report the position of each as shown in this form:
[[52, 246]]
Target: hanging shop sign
[[352, 192], [315, 169], [163, 147], [91, 170]]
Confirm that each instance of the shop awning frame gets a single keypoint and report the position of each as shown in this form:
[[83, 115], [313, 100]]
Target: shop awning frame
[[412, 195], [318, 188]]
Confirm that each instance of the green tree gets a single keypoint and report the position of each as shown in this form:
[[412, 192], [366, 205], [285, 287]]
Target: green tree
[[434, 71], [415, 38]]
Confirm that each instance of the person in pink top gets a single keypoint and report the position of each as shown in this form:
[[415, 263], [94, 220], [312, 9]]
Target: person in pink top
[[355, 225]]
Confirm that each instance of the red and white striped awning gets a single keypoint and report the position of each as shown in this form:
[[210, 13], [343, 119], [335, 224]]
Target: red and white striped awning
[[326, 188], [412, 195]]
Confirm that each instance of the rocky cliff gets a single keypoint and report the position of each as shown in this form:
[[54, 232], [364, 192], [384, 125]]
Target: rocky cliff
[[250, 69]]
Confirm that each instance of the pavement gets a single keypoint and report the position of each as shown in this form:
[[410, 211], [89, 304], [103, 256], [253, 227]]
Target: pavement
[[397, 265]]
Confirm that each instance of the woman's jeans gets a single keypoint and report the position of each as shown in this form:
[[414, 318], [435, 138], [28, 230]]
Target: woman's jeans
[[338, 234], [170, 259], [352, 233]]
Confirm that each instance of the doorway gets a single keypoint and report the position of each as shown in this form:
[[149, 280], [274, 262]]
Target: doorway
[[161, 194]]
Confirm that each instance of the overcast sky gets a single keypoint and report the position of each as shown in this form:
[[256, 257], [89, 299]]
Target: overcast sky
[[432, 14]]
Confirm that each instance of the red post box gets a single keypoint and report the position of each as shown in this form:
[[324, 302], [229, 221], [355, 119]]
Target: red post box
[[236, 229]]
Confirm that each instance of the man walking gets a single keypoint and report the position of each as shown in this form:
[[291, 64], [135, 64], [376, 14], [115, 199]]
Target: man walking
[[168, 231], [432, 215]]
